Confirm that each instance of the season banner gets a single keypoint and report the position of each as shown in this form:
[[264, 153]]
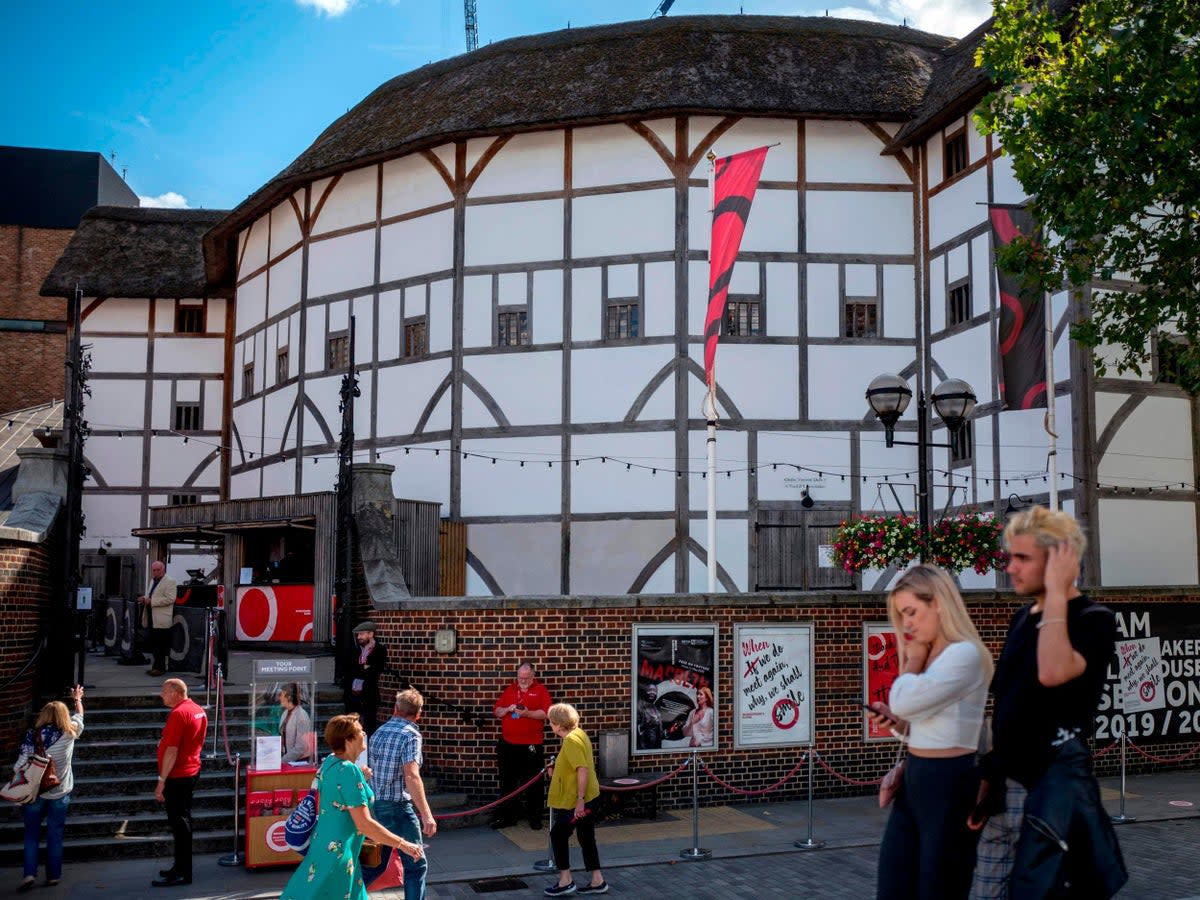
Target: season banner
[[674, 688], [881, 666], [772, 685]]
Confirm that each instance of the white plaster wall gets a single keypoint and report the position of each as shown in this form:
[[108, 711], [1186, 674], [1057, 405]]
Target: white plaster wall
[[527, 386], [697, 296], [967, 355], [247, 439], [113, 354], [937, 293], [773, 225], [115, 314], [251, 304], [404, 392], [547, 311], [319, 477], [117, 460], [245, 484], [846, 152], [861, 281], [477, 311], [412, 183], [505, 489], [160, 405], [417, 246], [658, 305], [185, 354], [614, 154], [115, 404], [284, 291], [859, 222], [899, 304], [762, 381], [252, 246], [954, 210], [352, 201], [164, 315], [285, 228], [280, 433], [514, 232], [1153, 447], [341, 263], [732, 555], [981, 274], [933, 162], [840, 375], [525, 558], [747, 134], [529, 163], [825, 451], [390, 327], [172, 461], [663, 579], [976, 142], [586, 313], [213, 409], [957, 263], [824, 304], [441, 316], [215, 323], [731, 458], [609, 487], [782, 296], [1024, 441], [111, 517], [1004, 183], [325, 396], [606, 381], [631, 222], [1147, 542], [420, 475], [607, 557]]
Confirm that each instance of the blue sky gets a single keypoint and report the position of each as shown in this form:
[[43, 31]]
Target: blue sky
[[205, 101]]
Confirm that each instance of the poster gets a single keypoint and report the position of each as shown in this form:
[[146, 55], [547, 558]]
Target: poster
[[1141, 674], [674, 702], [881, 666], [772, 685], [275, 613]]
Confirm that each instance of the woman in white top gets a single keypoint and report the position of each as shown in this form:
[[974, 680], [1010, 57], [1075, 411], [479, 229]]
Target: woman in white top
[[56, 731], [699, 725], [928, 851], [295, 727]]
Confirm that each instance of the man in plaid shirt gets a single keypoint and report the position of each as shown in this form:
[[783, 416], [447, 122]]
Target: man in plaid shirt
[[394, 755]]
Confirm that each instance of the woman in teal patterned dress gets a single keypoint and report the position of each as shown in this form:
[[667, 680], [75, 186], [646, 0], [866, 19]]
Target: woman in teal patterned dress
[[331, 870]]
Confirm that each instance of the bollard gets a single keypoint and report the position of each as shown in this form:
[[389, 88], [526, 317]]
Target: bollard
[[235, 858], [695, 851], [1120, 818], [211, 631], [547, 864], [216, 721], [808, 843]]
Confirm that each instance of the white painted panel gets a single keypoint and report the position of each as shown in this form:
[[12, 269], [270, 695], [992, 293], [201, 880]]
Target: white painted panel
[[658, 306], [632, 222], [956, 263], [661, 404], [699, 222], [172, 461], [215, 321], [514, 232], [187, 391], [605, 382], [860, 222], [1144, 542], [189, 354], [389, 324], [116, 461], [614, 154], [524, 558], [623, 281], [285, 284], [782, 296], [416, 300], [477, 311], [247, 420], [362, 409], [762, 381], [847, 152], [441, 316], [251, 304], [981, 276], [937, 293], [476, 586], [1153, 447], [780, 453], [314, 339], [505, 488], [731, 458], [841, 393], [115, 404], [899, 307], [111, 517], [968, 355], [824, 304], [955, 209], [1004, 183], [773, 224], [278, 409], [117, 315], [663, 579], [160, 404], [118, 354], [285, 227], [697, 298], [406, 391], [547, 312], [976, 142], [933, 161], [341, 263], [744, 278], [245, 484], [254, 254], [417, 246], [420, 475], [164, 316], [412, 183], [279, 480], [1023, 442], [608, 557], [860, 281], [526, 386], [528, 163], [364, 326], [747, 134], [585, 305], [214, 403], [513, 288], [1062, 347], [352, 202], [732, 555], [610, 487]]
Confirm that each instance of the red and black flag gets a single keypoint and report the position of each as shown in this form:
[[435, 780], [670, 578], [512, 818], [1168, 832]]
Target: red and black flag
[[735, 179], [1022, 319]]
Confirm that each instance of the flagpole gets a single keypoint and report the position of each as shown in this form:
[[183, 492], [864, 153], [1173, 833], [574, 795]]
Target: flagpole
[[1051, 429], [710, 414]]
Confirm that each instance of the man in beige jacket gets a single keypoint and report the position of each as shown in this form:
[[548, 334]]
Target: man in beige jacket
[[158, 611]]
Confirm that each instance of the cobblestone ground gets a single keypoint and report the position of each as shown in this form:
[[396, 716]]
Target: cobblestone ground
[[1161, 857]]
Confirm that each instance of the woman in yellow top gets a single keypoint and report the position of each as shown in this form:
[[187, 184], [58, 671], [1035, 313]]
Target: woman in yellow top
[[574, 799]]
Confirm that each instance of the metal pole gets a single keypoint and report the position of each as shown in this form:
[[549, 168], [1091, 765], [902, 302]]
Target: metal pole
[[922, 470], [808, 843], [710, 413], [1121, 818], [211, 630], [695, 851], [1051, 428], [235, 858], [547, 864], [217, 719]]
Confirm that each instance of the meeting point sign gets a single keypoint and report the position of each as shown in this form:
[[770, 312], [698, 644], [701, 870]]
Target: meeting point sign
[[1152, 684]]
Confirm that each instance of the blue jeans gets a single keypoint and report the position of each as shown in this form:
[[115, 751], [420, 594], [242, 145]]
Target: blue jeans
[[399, 817], [55, 814]]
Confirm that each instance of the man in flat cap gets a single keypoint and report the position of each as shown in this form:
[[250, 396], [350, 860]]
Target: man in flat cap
[[361, 685]]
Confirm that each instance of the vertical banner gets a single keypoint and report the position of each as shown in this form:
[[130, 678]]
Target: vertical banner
[[674, 698], [881, 666], [773, 685], [1022, 319]]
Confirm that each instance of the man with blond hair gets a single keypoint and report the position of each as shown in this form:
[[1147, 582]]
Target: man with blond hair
[[178, 772], [1053, 837]]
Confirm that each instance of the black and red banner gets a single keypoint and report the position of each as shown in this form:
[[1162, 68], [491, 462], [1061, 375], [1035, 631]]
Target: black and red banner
[[1022, 319], [735, 179]]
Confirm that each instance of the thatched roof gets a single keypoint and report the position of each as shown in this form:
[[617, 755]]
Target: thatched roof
[[746, 65], [122, 251]]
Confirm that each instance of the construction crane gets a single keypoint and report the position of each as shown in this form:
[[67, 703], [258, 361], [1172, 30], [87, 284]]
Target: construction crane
[[472, 22], [663, 8]]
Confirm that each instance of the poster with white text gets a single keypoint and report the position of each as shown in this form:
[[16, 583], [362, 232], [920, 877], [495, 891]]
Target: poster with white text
[[674, 702], [773, 685]]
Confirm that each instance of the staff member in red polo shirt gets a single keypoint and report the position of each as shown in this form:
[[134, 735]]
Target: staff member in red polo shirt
[[178, 772], [520, 754]]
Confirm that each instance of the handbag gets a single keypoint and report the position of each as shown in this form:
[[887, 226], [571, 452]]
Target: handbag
[[370, 855], [300, 824], [890, 783], [23, 787], [50, 779]]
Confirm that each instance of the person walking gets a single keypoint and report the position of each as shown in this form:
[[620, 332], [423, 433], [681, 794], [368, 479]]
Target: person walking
[[401, 807], [520, 751], [361, 681], [331, 869], [158, 614], [574, 799], [938, 699], [53, 734], [178, 773]]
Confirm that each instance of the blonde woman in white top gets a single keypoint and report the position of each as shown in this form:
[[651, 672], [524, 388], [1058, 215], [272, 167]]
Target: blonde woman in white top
[[927, 851]]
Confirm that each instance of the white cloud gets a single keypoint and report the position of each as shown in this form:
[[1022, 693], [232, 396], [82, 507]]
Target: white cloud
[[955, 18], [331, 8], [143, 121], [169, 200]]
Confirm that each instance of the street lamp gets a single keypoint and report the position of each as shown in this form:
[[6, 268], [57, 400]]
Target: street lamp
[[954, 401]]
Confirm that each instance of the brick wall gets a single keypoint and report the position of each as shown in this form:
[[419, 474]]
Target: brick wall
[[26, 257], [583, 650], [26, 581]]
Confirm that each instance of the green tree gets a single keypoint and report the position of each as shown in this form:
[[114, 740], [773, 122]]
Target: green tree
[[1098, 105]]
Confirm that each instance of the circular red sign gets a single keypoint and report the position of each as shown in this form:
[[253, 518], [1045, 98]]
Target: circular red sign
[[254, 614], [275, 838], [785, 708], [1147, 691]]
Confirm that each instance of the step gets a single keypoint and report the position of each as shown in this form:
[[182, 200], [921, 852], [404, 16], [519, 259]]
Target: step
[[132, 847]]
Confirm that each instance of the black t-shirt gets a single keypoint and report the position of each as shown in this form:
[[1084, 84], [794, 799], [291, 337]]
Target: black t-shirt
[[1031, 720]]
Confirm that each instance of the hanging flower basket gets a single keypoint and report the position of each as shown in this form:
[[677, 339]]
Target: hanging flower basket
[[965, 541]]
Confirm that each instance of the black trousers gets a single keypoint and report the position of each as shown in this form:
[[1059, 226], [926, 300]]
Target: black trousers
[[517, 764], [367, 707], [177, 798], [562, 823], [160, 647]]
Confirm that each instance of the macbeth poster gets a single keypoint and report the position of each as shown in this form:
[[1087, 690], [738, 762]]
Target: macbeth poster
[[674, 688]]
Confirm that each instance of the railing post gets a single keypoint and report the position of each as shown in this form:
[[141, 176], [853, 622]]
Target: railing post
[[695, 851], [1120, 818], [235, 858], [547, 864], [808, 843]]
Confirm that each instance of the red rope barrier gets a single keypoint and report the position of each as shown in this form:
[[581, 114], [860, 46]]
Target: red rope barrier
[[841, 777], [1100, 753], [1165, 759], [506, 797], [656, 781], [745, 793]]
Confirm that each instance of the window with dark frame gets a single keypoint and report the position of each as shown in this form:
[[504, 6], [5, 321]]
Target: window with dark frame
[[862, 319], [743, 317], [959, 303], [1168, 365], [282, 365], [247, 380], [512, 327], [185, 499], [621, 320], [187, 416], [339, 351], [954, 154], [189, 318], [416, 337], [962, 445]]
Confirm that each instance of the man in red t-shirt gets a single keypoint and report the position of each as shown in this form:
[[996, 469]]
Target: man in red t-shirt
[[178, 772], [520, 755]]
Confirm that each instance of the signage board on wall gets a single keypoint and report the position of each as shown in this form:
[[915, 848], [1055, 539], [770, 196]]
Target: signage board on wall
[[274, 612], [773, 685], [881, 666], [674, 676]]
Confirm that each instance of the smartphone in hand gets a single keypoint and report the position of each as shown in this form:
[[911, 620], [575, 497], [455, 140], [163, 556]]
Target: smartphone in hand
[[873, 711]]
